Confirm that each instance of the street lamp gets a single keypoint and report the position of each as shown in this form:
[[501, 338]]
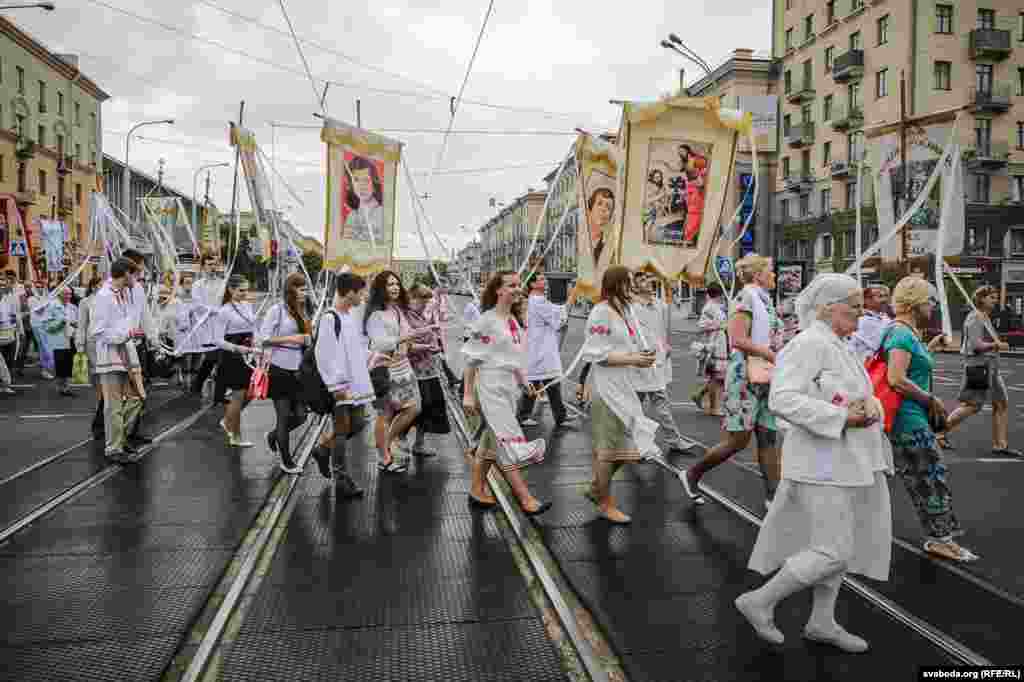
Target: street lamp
[[675, 44], [195, 188], [126, 181], [48, 6]]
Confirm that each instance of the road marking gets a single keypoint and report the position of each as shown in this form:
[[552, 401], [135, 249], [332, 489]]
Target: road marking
[[999, 460], [23, 385], [55, 416]]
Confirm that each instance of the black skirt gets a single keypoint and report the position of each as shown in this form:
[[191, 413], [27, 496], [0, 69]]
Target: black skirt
[[433, 416], [232, 371], [284, 384]]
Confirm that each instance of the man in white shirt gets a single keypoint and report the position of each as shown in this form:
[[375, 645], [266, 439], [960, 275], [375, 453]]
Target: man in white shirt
[[652, 382], [470, 314], [140, 317], [207, 295], [544, 319], [864, 342]]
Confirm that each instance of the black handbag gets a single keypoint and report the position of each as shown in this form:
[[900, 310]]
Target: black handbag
[[977, 377]]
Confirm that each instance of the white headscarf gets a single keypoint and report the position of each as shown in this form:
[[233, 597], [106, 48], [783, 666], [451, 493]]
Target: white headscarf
[[824, 289]]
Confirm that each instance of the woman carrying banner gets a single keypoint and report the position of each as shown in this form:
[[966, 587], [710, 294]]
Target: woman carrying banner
[[614, 347], [755, 332], [832, 513], [982, 381], [285, 332], [495, 379], [234, 328], [386, 323], [915, 450], [59, 327]]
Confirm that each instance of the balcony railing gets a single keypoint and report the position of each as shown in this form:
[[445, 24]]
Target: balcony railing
[[848, 118], [988, 156], [799, 183], [995, 98], [801, 93], [842, 168], [990, 43], [26, 197], [848, 65], [800, 135]]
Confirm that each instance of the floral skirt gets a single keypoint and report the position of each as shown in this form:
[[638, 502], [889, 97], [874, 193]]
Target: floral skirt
[[919, 465], [745, 404]]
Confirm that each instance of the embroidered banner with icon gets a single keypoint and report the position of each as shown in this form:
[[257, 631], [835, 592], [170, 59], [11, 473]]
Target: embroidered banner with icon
[[597, 239]]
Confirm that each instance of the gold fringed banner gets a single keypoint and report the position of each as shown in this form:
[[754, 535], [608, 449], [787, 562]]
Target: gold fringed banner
[[678, 160], [362, 173], [597, 239]]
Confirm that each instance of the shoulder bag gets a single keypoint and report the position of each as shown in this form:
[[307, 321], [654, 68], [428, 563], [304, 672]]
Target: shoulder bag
[[976, 377], [878, 371]]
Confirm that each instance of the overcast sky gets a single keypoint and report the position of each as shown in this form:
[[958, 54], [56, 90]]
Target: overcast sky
[[565, 58]]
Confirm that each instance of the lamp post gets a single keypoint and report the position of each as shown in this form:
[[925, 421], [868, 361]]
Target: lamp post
[[126, 180], [675, 44], [48, 6], [195, 182]]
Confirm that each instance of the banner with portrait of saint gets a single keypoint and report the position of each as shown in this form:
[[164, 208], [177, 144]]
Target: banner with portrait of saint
[[679, 156], [597, 185], [362, 172]]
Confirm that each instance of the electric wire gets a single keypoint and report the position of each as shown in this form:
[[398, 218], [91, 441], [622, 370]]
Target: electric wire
[[302, 56]]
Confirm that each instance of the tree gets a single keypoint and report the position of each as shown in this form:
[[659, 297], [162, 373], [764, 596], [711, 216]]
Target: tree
[[314, 264]]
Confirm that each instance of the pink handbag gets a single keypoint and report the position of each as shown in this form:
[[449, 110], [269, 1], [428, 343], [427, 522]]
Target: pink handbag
[[259, 384]]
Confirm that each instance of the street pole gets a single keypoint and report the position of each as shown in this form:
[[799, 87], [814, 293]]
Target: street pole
[[359, 114], [195, 190], [905, 190], [126, 178]]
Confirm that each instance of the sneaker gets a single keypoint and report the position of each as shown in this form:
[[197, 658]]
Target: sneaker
[[569, 422], [224, 428], [529, 421], [289, 466], [237, 442]]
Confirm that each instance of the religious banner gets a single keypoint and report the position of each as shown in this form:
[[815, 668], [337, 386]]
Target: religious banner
[[679, 160], [168, 214], [362, 173], [596, 240]]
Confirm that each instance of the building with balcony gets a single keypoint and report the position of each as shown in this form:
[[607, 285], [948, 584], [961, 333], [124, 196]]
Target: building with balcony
[[464, 269], [505, 238], [50, 145], [560, 261], [849, 55]]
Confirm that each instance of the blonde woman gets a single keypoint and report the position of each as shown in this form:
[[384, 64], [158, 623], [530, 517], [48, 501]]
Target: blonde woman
[[915, 450], [982, 383], [755, 335]]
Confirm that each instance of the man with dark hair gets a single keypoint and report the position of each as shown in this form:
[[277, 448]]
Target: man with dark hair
[[140, 318], [544, 319], [207, 295]]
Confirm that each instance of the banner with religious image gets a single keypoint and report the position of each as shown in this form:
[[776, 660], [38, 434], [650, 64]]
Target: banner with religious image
[[597, 238], [679, 161], [362, 173]]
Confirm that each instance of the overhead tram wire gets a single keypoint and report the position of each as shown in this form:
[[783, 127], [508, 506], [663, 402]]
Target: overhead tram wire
[[341, 84]]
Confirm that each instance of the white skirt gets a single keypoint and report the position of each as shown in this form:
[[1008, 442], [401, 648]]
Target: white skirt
[[855, 522]]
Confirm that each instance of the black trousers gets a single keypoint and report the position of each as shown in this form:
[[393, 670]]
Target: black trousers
[[10, 358], [210, 360], [63, 362], [554, 395]]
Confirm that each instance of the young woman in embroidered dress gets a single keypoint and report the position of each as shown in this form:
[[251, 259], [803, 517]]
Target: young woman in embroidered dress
[[755, 332], [425, 357], [283, 335], [614, 345], [495, 379], [235, 325], [386, 323]]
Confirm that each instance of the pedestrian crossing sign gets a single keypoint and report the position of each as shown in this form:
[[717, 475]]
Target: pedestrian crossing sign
[[19, 247]]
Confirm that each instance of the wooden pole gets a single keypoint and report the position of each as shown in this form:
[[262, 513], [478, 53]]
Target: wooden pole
[[234, 189], [359, 114]]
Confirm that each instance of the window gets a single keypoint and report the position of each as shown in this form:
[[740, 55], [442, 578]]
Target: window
[[826, 201], [78, 153], [983, 135], [976, 241], [78, 113], [854, 144], [19, 125], [807, 113], [883, 30], [787, 82], [855, 43], [826, 108], [851, 195], [805, 164], [92, 125], [1020, 81], [785, 166], [981, 185], [78, 194], [853, 96], [808, 75], [1020, 134], [60, 103], [784, 210], [3, 165], [983, 78], [789, 39], [830, 54], [850, 243], [943, 73], [826, 154], [882, 83], [1016, 242], [42, 182], [830, 11], [41, 139], [826, 246], [60, 147], [986, 19], [805, 205], [808, 27], [786, 124], [42, 97], [944, 19], [21, 79]]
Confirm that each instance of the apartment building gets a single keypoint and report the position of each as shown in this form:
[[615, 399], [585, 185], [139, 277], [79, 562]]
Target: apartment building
[[842, 62], [50, 146], [505, 238]]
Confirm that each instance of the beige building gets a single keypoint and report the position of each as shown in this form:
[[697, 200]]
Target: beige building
[[841, 67], [506, 237], [50, 146]]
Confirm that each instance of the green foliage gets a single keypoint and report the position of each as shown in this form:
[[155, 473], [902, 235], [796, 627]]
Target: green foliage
[[314, 264]]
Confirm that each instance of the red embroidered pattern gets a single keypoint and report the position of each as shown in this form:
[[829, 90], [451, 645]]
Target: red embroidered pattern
[[838, 400], [483, 338], [514, 329], [511, 439], [601, 330]]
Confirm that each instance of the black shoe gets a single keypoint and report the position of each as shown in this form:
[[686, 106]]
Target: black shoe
[[99, 435], [272, 442], [346, 488], [323, 460], [130, 450], [139, 439]]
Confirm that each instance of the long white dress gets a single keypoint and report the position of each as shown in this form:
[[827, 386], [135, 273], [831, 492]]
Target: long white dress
[[496, 347], [621, 432], [833, 499]]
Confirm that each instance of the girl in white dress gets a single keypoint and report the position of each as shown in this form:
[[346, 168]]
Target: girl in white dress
[[831, 514], [495, 380], [614, 345]]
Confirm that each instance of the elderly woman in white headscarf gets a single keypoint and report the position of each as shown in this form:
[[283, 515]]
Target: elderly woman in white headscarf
[[831, 514]]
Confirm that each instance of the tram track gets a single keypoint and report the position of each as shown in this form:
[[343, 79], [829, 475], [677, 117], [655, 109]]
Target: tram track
[[75, 490]]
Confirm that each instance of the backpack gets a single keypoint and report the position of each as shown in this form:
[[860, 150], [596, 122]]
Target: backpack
[[313, 389]]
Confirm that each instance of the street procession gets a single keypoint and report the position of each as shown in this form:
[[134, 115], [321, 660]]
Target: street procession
[[399, 342]]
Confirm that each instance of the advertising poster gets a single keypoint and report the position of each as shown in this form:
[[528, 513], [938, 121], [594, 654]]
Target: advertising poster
[[362, 170]]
